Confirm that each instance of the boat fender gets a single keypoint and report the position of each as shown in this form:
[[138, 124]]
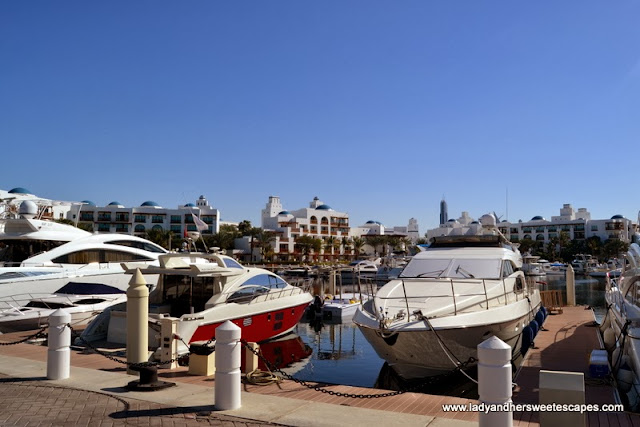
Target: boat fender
[[540, 318], [624, 378], [615, 358], [544, 311], [609, 337], [632, 396], [534, 327], [606, 322], [527, 339]]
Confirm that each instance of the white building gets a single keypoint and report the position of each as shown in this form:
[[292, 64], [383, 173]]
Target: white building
[[115, 218], [576, 223], [318, 220]]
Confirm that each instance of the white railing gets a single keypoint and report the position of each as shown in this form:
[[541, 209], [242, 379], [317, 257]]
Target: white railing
[[461, 301]]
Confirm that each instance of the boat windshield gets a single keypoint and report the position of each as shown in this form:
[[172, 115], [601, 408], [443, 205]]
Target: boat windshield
[[453, 268]]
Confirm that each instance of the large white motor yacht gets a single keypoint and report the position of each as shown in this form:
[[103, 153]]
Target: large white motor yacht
[[621, 326], [449, 298], [39, 257]]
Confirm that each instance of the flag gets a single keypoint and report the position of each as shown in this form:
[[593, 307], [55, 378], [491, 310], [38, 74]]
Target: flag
[[200, 224], [185, 232]]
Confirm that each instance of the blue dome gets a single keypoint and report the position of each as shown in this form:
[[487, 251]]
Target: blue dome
[[617, 217], [324, 207], [372, 222], [537, 218], [115, 204], [284, 213], [88, 202], [19, 190], [190, 205], [150, 203], [452, 220]]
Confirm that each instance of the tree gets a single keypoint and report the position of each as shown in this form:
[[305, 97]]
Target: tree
[[357, 243], [224, 239], [263, 240], [375, 241], [612, 248], [330, 244], [160, 236], [244, 227], [305, 244]]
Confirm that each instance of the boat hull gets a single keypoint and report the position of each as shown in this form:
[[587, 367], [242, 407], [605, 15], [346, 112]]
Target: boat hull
[[419, 353]]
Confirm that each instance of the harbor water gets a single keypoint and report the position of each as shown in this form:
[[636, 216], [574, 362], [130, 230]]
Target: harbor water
[[339, 353]]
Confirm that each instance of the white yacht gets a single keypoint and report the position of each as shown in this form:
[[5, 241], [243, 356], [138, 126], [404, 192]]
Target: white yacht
[[94, 258], [196, 293], [531, 266], [449, 298], [66, 254], [585, 264], [553, 268], [621, 326]]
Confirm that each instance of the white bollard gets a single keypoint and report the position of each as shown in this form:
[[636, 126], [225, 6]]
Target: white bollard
[[137, 320], [494, 382], [571, 286], [228, 378], [59, 353]]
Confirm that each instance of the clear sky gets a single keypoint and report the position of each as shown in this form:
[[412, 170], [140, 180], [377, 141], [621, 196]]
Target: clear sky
[[379, 108]]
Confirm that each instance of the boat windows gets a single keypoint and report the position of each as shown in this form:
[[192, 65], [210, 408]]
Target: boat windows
[[267, 280], [231, 263], [98, 255], [507, 268], [147, 246], [185, 292], [453, 268]]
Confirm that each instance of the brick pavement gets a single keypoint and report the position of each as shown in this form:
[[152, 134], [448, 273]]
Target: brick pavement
[[36, 403]]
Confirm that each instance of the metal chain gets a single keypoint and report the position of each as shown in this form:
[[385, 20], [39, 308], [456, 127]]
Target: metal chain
[[124, 362], [316, 387], [38, 334]]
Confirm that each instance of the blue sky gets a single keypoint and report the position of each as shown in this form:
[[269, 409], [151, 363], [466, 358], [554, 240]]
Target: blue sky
[[379, 108]]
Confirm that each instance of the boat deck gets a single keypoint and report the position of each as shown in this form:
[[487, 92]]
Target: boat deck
[[564, 345]]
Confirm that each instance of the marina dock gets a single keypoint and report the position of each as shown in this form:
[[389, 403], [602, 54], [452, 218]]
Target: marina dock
[[565, 344]]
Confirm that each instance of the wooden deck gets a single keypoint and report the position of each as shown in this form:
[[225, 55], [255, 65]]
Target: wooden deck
[[564, 345]]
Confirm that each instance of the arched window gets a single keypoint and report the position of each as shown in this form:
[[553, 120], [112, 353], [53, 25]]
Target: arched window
[[157, 227], [313, 220], [139, 228]]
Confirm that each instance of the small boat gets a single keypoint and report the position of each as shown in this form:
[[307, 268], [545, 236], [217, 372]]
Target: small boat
[[458, 292], [531, 266], [196, 293], [82, 301], [553, 268], [341, 308]]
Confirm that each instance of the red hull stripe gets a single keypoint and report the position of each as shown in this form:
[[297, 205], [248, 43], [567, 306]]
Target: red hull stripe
[[259, 327]]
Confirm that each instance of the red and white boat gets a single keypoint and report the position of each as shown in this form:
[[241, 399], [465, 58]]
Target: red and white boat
[[199, 292]]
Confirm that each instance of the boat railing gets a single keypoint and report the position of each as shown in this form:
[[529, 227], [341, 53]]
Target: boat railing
[[252, 294], [461, 301]]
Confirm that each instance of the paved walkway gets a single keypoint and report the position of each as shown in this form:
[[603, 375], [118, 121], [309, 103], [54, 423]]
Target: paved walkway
[[35, 402]]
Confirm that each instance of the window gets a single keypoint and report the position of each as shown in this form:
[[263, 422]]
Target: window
[[453, 268], [139, 228], [157, 219], [104, 227], [147, 246], [104, 216], [230, 263], [86, 216], [140, 218], [507, 269], [176, 219], [594, 228], [175, 229], [98, 255], [122, 216]]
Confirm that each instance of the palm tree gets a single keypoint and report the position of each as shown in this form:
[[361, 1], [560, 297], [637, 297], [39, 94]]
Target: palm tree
[[375, 241], [160, 236], [305, 244], [357, 243], [330, 244], [264, 239]]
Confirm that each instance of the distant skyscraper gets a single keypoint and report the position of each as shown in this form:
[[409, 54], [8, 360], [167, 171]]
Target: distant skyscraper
[[444, 216]]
